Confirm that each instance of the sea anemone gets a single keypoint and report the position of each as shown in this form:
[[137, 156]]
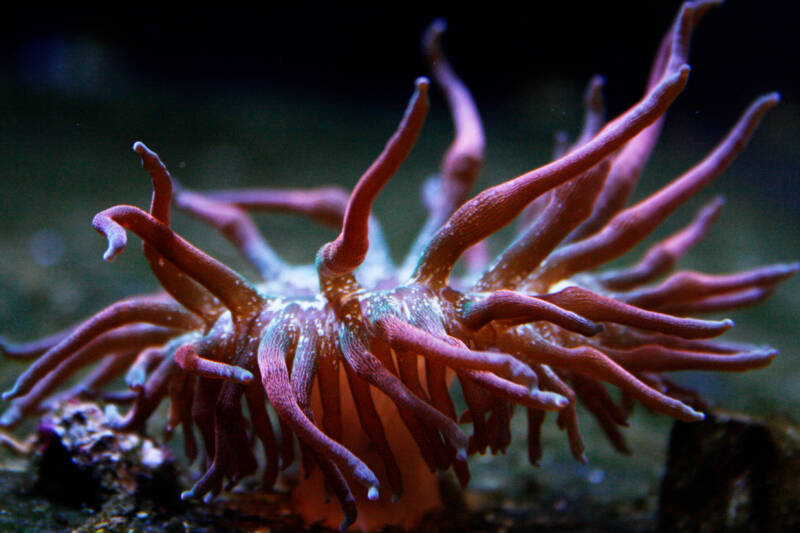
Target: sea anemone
[[355, 355]]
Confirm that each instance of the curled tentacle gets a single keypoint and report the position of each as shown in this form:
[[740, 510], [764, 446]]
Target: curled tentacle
[[185, 290], [233, 290]]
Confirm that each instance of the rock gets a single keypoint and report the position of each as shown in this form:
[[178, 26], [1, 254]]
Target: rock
[[731, 473], [82, 461]]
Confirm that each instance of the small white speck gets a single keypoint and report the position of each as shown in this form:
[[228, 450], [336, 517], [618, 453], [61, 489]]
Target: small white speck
[[596, 476]]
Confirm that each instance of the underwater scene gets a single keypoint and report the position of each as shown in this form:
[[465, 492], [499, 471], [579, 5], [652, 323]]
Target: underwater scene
[[295, 100]]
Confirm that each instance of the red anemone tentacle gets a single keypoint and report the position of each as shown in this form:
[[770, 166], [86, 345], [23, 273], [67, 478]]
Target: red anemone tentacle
[[604, 309], [630, 161], [143, 309], [237, 226], [272, 354], [662, 256], [632, 225], [344, 254], [495, 207], [687, 286], [515, 308], [229, 287]]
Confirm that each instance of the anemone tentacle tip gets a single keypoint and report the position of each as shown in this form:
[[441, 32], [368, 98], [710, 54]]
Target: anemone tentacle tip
[[372, 493], [461, 454]]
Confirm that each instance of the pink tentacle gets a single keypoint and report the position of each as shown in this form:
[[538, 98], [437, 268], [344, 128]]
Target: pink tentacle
[[721, 302], [521, 309], [599, 403], [190, 361], [509, 390], [368, 368], [593, 120], [662, 256], [406, 337], [371, 424], [464, 157], [324, 204], [570, 204], [344, 254], [632, 225], [655, 358], [631, 160], [142, 309], [688, 285], [494, 208], [604, 309], [272, 354], [31, 349], [262, 427], [237, 226], [591, 362], [567, 417], [229, 287], [194, 297]]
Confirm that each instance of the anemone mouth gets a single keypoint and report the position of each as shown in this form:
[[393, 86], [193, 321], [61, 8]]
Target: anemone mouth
[[537, 327]]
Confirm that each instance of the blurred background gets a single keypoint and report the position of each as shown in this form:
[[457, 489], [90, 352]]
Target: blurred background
[[308, 95]]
